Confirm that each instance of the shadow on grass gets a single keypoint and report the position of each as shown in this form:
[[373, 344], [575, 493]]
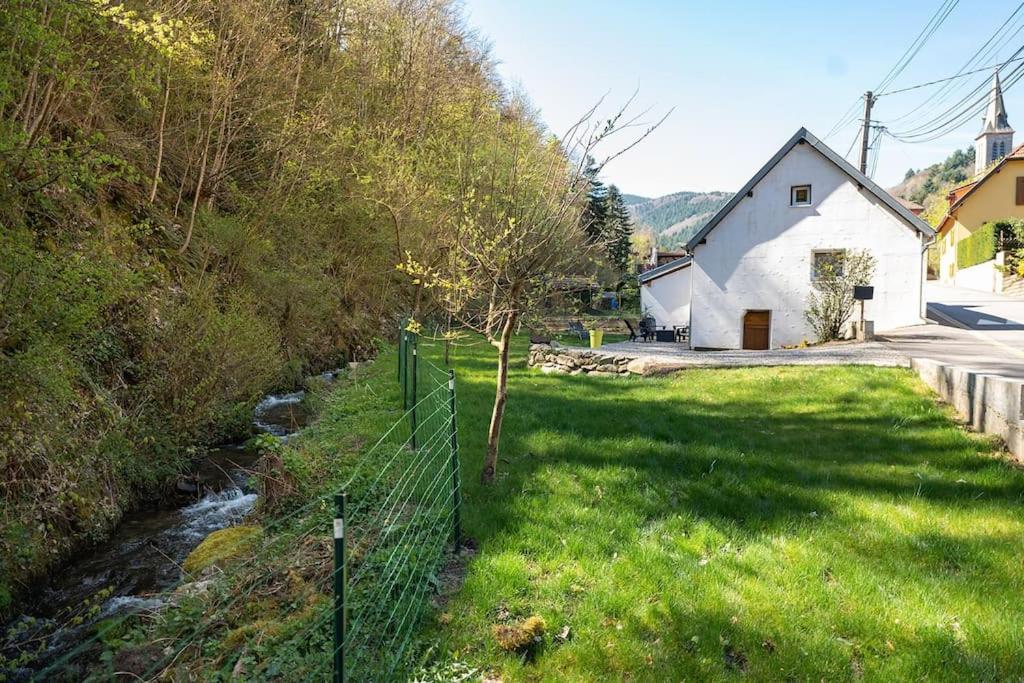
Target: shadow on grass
[[857, 459]]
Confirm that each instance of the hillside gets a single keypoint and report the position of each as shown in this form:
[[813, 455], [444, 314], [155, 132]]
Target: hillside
[[929, 186], [631, 199], [676, 217], [204, 202]]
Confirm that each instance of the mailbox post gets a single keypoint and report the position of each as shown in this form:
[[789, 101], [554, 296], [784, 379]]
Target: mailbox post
[[864, 293]]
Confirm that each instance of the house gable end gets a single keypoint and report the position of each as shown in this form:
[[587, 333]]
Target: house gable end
[[803, 136]]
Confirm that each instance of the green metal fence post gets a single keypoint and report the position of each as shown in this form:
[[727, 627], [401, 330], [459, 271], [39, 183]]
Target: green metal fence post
[[340, 580], [456, 477], [403, 366], [415, 344]]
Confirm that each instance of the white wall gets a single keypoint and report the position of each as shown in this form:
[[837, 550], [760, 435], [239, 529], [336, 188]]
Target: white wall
[[986, 276], [667, 298], [760, 255]]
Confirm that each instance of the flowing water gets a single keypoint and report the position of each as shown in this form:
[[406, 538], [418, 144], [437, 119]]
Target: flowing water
[[141, 559]]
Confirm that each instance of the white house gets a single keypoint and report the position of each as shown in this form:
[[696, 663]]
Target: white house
[[751, 267]]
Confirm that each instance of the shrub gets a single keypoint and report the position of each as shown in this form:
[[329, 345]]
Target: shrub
[[829, 305], [1006, 234], [978, 248]]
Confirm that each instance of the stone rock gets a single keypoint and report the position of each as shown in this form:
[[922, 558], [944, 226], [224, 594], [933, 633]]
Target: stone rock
[[589, 367], [608, 367], [647, 366], [566, 360], [539, 347], [598, 373], [549, 369], [193, 588]]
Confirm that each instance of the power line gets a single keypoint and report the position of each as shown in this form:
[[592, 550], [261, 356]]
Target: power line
[[856, 136], [987, 50], [975, 108], [877, 145], [936, 20], [949, 78], [926, 33], [953, 110]]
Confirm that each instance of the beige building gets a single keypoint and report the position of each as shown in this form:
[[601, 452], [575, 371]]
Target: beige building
[[996, 193]]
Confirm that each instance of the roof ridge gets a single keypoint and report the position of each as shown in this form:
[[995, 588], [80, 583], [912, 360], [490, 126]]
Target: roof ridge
[[862, 180]]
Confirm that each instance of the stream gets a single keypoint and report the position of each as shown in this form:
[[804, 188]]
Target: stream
[[141, 559]]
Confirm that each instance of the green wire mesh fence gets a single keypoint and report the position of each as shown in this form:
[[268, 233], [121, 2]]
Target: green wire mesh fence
[[392, 534], [397, 521]]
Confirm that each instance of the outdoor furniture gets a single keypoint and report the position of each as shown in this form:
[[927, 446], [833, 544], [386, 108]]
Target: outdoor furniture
[[536, 338], [576, 327], [632, 330], [682, 332], [647, 328], [664, 335]]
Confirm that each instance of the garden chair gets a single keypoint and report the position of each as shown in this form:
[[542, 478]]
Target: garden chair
[[576, 327], [632, 330], [647, 328]]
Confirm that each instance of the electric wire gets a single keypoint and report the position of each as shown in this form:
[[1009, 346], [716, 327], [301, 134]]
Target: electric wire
[[936, 20]]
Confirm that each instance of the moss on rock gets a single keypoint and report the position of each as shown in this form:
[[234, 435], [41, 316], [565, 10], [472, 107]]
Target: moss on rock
[[517, 637], [221, 546]]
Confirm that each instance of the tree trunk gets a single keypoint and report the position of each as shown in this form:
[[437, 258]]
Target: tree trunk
[[199, 191], [160, 138], [500, 397]]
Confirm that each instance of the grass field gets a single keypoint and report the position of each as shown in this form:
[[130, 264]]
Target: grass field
[[782, 523]]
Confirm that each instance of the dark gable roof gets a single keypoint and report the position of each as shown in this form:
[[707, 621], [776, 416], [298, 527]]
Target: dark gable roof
[[803, 135], [665, 269]]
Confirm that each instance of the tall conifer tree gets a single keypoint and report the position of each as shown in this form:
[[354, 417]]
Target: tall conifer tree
[[595, 214], [618, 230]]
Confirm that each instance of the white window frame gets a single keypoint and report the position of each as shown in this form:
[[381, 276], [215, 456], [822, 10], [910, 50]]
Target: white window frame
[[792, 195], [814, 258]]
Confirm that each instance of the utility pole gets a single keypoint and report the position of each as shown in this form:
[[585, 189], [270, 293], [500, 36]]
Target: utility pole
[[869, 99]]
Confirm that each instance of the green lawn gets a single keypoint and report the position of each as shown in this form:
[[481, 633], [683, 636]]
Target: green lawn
[[789, 523], [573, 340]]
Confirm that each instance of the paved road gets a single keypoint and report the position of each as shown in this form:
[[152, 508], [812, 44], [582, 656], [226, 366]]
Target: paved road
[[978, 330]]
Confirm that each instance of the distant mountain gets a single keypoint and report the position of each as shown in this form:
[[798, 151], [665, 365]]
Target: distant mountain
[[675, 218], [632, 199]]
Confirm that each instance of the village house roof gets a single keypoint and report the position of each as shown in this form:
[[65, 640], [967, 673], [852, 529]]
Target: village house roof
[[958, 195], [665, 269], [911, 206], [803, 136]]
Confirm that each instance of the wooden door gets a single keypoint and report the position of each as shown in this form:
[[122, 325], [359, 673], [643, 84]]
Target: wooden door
[[756, 325]]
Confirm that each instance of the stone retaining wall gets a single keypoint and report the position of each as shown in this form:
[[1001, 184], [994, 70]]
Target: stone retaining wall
[[988, 403], [564, 360]]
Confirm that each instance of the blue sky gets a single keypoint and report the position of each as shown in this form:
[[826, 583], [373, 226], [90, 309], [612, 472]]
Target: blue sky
[[742, 76]]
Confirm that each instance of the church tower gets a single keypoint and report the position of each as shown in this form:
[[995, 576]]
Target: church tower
[[995, 140]]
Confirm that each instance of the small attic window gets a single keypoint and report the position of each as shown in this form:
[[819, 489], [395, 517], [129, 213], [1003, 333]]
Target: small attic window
[[800, 195]]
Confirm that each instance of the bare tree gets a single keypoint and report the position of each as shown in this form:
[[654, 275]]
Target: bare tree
[[517, 229]]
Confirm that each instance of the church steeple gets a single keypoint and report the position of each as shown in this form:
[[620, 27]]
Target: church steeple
[[996, 137]]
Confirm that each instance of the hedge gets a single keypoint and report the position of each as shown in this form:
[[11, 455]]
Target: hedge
[[1006, 235], [978, 248]]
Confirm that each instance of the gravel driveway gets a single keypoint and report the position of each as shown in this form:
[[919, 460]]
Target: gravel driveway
[[836, 353]]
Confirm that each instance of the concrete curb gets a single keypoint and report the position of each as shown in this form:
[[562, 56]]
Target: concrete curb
[[989, 403]]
